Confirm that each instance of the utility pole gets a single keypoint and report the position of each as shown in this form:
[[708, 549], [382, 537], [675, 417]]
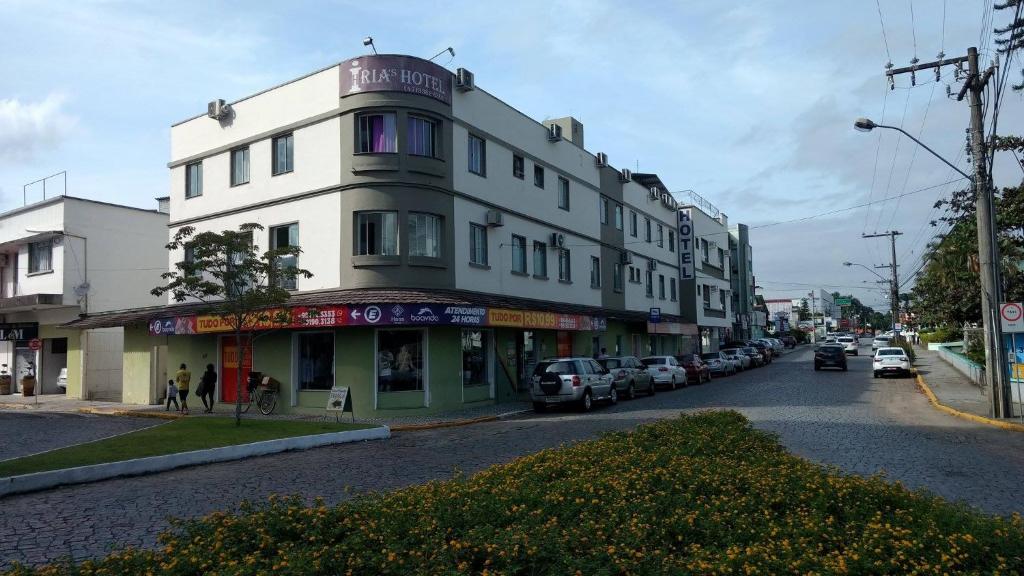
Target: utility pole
[[894, 287], [988, 246]]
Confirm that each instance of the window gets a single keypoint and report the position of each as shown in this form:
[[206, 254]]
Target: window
[[707, 296], [540, 260], [378, 133], [704, 249], [237, 283], [40, 257], [378, 233], [315, 362], [425, 235], [671, 241], [284, 154], [647, 229], [617, 277], [603, 208], [538, 176], [421, 137], [722, 295], [661, 235], [240, 166], [632, 224], [721, 258], [661, 286], [399, 360], [518, 254], [190, 258], [518, 166], [193, 180], [672, 289], [618, 216], [478, 244], [477, 155], [563, 193], [595, 272], [564, 268], [475, 353], [649, 284], [283, 237]]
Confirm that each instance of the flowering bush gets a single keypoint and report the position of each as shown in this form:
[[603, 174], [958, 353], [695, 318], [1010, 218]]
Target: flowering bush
[[699, 494]]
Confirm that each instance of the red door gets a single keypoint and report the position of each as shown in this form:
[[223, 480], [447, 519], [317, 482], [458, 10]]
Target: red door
[[229, 367]]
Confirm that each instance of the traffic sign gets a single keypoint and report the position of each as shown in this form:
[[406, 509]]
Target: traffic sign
[[844, 301], [35, 344], [1012, 316], [655, 315]]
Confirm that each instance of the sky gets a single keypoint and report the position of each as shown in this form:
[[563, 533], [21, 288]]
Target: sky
[[750, 104]]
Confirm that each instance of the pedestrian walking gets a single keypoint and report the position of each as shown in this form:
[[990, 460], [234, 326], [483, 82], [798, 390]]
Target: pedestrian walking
[[603, 355], [207, 385], [182, 379], [172, 396]]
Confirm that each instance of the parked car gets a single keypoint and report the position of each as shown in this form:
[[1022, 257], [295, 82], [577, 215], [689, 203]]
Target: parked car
[[666, 371], [696, 370], [830, 355], [630, 375], [719, 363], [774, 344], [789, 341], [890, 360], [849, 344], [764, 349], [756, 359], [577, 381], [740, 360], [879, 342]]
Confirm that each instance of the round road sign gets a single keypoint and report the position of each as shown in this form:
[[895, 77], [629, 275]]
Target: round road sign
[[35, 344], [1011, 312]]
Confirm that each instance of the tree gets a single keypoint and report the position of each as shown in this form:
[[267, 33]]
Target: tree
[[226, 272], [804, 313]]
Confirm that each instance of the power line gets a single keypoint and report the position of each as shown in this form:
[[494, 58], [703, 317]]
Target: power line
[[913, 28], [885, 38], [913, 155], [895, 154]]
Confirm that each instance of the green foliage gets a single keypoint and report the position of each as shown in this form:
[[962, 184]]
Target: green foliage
[[943, 334], [804, 312], [700, 494], [908, 348]]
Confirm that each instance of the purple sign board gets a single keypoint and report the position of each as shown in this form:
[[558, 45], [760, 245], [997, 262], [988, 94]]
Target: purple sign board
[[415, 315], [396, 74]]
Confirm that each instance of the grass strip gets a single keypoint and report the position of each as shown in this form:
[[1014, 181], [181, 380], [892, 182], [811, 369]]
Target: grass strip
[[701, 494], [182, 435]]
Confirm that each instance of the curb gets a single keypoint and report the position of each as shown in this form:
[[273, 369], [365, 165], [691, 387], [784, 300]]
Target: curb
[[132, 413], [923, 386], [456, 423], [82, 474]]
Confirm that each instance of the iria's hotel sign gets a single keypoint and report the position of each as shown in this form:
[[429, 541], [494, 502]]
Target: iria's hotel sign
[[396, 74]]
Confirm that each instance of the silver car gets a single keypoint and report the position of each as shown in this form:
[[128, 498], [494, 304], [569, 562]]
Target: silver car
[[740, 360], [666, 371], [575, 381], [630, 375]]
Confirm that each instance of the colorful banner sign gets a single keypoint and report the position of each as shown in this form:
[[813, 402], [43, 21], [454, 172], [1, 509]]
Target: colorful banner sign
[[382, 315], [396, 74]]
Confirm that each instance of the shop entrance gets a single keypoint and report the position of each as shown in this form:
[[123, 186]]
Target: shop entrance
[[229, 367], [527, 356]]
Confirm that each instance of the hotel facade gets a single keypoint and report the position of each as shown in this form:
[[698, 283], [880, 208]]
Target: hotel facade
[[453, 243]]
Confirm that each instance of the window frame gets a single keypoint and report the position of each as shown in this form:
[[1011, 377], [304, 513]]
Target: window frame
[[289, 139], [482, 155], [595, 272], [189, 191], [671, 240], [673, 294], [540, 270], [473, 244], [647, 230], [538, 175], [298, 353], [564, 272], [617, 210], [649, 284], [438, 219], [564, 194], [519, 242], [661, 286], [633, 228], [518, 167], [435, 125], [357, 247], [617, 283], [661, 236], [363, 128], [33, 250], [231, 177], [272, 243], [602, 207]]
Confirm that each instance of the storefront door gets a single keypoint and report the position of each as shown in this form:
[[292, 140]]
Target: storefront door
[[229, 367]]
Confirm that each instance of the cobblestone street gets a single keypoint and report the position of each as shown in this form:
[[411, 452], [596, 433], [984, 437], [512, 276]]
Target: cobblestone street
[[846, 419]]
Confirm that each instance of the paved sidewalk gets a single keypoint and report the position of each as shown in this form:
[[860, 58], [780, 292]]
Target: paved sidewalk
[[951, 387], [59, 403]]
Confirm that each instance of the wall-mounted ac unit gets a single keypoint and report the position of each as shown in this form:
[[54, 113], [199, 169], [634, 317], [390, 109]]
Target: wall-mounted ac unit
[[218, 109], [653, 193], [627, 258], [464, 80], [554, 133], [557, 240], [652, 264], [495, 218], [625, 175], [602, 159]]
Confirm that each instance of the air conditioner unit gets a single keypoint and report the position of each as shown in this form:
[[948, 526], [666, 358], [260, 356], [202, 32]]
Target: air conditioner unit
[[218, 109], [653, 193], [464, 80], [557, 240], [554, 133], [625, 175], [602, 159], [627, 258], [652, 264], [495, 218]]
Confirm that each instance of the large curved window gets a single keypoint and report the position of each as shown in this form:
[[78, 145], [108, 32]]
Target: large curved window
[[421, 134], [424, 235], [378, 133], [378, 233]]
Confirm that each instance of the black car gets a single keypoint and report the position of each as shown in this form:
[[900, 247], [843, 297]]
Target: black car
[[832, 355]]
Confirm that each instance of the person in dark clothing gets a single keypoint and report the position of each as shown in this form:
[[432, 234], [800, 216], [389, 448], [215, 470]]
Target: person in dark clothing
[[207, 386]]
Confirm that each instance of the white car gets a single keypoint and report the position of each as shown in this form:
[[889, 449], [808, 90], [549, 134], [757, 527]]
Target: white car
[[879, 342], [666, 371], [890, 360], [849, 344], [739, 360]]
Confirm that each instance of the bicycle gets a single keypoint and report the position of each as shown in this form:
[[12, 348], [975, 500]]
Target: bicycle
[[264, 396]]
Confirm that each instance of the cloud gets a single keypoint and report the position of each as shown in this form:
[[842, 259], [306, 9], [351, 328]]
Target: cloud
[[30, 128]]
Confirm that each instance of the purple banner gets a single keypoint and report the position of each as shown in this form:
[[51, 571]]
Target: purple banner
[[396, 74]]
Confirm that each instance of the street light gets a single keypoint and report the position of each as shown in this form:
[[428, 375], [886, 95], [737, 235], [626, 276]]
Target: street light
[[867, 125], [866, 268]]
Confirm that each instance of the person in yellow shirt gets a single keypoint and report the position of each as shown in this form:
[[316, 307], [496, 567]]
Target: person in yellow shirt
[[182, 378]]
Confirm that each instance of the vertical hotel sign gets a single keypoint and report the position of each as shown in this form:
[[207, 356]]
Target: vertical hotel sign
[[396, 74], [684, 228]]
